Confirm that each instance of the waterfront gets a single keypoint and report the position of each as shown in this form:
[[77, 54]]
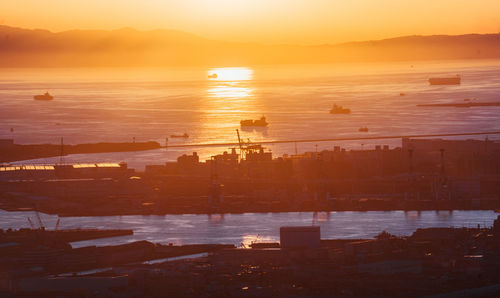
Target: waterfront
[[249, 149], [107, 105], [245, 228]]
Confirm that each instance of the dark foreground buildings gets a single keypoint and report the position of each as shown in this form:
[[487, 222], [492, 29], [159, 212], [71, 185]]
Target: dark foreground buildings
[[419, 175], [435, 262]]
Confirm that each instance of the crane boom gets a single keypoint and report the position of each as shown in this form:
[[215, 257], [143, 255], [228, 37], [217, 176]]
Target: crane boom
[[239, 142], [57, 223], [31, 223], [40, 222]]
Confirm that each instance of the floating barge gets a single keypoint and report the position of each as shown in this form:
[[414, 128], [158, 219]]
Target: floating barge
[[445, 81], [462, 105]]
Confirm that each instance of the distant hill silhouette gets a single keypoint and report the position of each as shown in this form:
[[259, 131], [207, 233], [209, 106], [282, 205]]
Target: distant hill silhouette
[[129, 47]]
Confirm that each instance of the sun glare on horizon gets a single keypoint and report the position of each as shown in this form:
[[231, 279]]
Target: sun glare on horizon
[[230, 82], [273, 22], [230, 74], [229, 94]]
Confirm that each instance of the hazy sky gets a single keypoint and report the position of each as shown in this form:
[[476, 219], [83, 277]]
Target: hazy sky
[[269, 21]]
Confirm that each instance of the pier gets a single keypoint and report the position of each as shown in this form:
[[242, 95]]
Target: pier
[[227, 144]]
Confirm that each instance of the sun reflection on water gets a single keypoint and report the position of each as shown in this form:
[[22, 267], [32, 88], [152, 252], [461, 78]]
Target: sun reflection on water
[[229, 91], [251, 238], [230, 82], [230, 97], [230, 74]]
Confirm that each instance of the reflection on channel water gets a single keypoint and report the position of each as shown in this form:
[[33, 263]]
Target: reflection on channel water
[[258, 227], [319, 217], [216, 218], [247, 240], [412, 215]]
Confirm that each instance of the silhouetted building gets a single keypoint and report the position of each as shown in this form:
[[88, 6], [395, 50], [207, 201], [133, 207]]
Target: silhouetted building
[[300, 237]]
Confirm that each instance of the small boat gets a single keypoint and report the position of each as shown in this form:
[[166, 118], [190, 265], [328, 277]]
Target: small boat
[[261, 122], [45, 96], [185, 135], [363, 129], [445, 81], [264, 245], [339, 110], [212, 76]]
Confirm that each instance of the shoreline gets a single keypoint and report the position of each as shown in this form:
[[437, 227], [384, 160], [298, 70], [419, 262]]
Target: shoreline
[[217, 211], [319, 267], [10, 152]]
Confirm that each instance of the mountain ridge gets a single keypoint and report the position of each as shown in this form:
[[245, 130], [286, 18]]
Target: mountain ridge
[[160, 47]]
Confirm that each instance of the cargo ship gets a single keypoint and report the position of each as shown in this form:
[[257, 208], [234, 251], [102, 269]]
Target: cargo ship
[[339, 110], [45, 96], [445, 81], [185, 135], [261, 122]]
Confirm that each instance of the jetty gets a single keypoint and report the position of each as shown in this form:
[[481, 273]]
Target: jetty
[[462, 105], [9, 151]]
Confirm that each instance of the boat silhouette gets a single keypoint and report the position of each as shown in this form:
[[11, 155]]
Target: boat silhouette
[[261, 122], [337, 109], [185, 135], [445, 80], [45, 96]]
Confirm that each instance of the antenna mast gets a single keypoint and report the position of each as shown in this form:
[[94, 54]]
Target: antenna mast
[[61, 159], [239, 143]]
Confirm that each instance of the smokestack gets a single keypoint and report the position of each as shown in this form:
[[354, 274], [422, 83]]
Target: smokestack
[[442, 161], [410, 166], [410, 155]]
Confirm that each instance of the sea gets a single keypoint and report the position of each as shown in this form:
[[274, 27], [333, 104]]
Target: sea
[[93, 105], [122, 105], [243, 229]]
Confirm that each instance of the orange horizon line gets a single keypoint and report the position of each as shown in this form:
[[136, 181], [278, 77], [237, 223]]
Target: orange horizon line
[[246, 42]]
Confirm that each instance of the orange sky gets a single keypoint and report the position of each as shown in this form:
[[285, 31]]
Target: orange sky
[[268, 21]]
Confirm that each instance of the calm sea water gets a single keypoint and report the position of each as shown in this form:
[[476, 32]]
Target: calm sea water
[[116, 105], [245, 228], [95, 105]]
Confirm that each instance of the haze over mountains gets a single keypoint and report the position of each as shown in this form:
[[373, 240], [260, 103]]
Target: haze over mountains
[[129, 47]]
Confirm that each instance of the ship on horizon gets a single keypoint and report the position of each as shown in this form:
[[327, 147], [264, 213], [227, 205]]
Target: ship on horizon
[[45, 96], [338, 109], [445, 80], [185, 135], [261, 122]]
